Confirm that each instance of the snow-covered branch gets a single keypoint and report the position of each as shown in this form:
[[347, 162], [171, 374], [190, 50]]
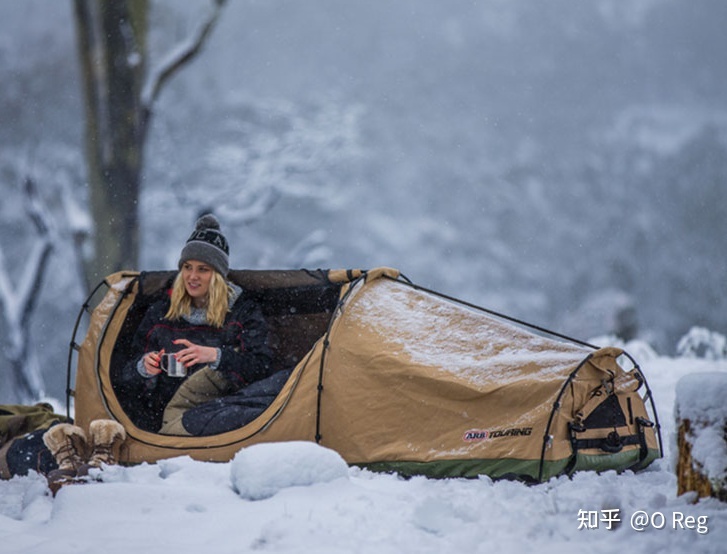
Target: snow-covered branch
[[37, 263], [178, 57], [18, 303]]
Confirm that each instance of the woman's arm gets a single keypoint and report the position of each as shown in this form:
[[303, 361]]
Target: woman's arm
[[247, 358], [145, 346]]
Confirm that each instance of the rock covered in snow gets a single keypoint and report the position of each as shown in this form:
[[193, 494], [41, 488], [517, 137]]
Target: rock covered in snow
[[260, 471]]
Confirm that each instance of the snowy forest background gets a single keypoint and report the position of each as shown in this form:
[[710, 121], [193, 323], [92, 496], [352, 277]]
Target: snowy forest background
[[563, 162]]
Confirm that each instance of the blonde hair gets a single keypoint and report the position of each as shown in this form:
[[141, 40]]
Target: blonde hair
[[218, 300]]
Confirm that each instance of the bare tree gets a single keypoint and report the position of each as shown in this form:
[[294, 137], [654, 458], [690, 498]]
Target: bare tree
[[120, 96], [18, 302]]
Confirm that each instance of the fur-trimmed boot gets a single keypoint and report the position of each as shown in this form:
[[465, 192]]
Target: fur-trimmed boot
[[106, 437], [68, 445]]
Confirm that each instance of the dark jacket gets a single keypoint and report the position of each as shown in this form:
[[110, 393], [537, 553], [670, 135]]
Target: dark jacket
[[243, 342]]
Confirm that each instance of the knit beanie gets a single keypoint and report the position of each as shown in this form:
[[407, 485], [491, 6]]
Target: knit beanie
[[207, 244]]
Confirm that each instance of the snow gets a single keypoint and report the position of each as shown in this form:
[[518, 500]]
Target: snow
[[479, 348], [261, 471], [300, 497], [698, 340]]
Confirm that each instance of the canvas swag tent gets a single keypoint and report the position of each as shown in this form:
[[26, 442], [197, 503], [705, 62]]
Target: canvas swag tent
[[392, 377]]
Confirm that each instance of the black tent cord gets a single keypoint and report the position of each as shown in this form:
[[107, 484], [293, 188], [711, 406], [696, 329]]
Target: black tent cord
[[492, 312]]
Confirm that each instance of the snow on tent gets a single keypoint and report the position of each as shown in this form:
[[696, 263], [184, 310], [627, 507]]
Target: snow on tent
[[394, 377]]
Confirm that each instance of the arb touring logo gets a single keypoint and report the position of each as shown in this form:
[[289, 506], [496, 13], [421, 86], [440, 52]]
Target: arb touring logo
[[483, 434]]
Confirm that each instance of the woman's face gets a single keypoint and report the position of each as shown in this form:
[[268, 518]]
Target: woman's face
[[197, 277]]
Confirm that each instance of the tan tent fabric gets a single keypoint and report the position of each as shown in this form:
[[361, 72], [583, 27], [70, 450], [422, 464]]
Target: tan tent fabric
[[401, 378]]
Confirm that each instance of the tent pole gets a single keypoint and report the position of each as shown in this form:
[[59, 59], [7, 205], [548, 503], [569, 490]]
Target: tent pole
[[74, 346], [337, 312], [556, 407]]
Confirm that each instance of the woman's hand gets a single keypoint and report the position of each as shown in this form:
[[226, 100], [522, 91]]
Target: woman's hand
[[151, 362], [195, 354]]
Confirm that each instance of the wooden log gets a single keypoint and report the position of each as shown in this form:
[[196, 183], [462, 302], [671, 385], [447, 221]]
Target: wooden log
[[702, 435]]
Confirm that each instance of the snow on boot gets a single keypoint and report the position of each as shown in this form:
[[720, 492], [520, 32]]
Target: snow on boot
[[68, 445], [106, 439]]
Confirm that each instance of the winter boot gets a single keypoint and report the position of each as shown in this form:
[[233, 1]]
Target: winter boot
[[68, 445], [107, 437]]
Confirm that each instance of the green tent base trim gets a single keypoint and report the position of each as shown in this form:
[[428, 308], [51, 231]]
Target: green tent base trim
[[620, 461], [523, 470]]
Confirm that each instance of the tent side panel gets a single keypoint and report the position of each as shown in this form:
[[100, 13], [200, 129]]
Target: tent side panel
[[89, 402], [415, 380]]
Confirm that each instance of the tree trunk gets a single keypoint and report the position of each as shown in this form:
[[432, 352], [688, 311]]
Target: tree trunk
[[690, 475], [112, 49], [111, 41], [701, 419]]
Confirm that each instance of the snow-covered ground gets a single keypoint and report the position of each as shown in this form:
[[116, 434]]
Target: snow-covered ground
[[299, 497]]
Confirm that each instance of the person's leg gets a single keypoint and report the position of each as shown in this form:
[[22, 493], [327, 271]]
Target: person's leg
[[26, 453], [203, 386], [235, 410]]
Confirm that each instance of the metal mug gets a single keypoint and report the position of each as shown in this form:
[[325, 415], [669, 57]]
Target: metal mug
[[172, 366]]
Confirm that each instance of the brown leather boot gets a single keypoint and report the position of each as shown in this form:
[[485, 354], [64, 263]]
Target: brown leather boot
[[68, 445], [107, 436]]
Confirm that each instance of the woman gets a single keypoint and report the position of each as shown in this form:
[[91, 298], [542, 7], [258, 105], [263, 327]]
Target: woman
[[212, 328]]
